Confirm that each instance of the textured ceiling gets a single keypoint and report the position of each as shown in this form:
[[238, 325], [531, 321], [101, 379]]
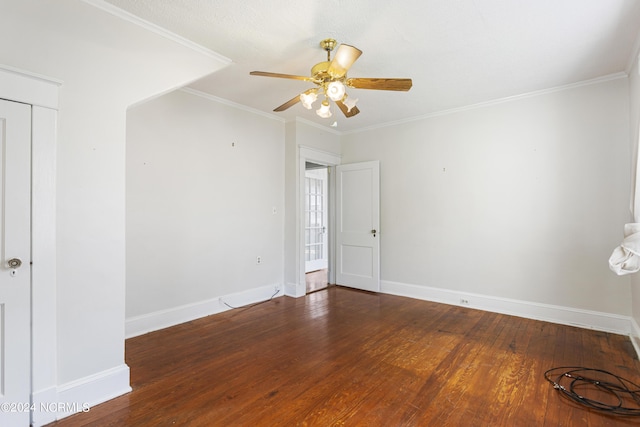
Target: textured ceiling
[[458, 52]]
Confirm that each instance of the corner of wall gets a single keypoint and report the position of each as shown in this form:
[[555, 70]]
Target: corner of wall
[[295, 290]]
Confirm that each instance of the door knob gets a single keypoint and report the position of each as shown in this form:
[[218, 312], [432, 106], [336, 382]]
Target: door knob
[[374, 233], [14, 262]]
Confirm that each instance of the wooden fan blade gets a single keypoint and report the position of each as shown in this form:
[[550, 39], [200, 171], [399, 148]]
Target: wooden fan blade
[[343, 60], [345, 109], [290, 103], [282, 76], [380, 84], [293, 101]]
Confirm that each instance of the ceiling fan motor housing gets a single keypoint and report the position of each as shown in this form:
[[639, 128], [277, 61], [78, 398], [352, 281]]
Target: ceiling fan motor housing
[[320, 72]]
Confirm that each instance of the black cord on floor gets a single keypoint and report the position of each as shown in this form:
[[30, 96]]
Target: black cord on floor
[[252, 305], [625, 395]]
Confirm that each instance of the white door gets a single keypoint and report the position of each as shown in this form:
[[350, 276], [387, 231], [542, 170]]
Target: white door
[[15, 258], [358, 223], [316, 220]]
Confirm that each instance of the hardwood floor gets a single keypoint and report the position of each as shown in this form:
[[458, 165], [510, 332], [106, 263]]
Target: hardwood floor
[[345, 357], [316, 280]]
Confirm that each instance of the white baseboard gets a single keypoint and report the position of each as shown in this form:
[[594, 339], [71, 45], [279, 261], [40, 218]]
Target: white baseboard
[[139, 325], [600, 321], [295, 290], [161, 319], [635, 336], [42, 399], [81, 395]]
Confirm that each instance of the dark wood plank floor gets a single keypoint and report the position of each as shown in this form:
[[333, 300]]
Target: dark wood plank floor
[[344, 357]]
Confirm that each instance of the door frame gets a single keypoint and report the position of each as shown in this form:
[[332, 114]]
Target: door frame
[[324, 260], [42, 93], [331, 160]]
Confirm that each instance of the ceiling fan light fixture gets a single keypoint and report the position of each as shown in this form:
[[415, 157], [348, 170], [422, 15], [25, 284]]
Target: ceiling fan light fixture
[[336, 90], [308, 99], [350, 102], [324, 111], [330, 79]]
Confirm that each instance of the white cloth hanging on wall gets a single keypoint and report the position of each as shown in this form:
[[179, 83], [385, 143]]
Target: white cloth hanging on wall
[[625, 259]]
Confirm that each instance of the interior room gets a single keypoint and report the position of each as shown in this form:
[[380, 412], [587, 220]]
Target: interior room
[[500, 140]]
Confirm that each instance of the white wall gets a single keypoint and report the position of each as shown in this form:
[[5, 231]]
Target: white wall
[[521, 199], [312, 136], [203, 180], [105, 64]]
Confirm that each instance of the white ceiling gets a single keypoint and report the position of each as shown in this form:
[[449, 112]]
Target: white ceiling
[[458, 52]]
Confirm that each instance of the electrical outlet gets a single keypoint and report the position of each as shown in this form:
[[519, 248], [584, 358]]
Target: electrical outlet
[[277, 288], [259, 260], [464, 301]]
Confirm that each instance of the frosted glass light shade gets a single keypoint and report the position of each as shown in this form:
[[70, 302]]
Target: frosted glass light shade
[[324, 110], [350, 103], [336, 90], [307, 99]]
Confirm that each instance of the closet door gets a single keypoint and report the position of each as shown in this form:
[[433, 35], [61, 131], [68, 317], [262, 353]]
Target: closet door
[[15, 263]]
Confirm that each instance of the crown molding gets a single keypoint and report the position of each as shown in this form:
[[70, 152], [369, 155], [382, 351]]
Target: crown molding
[[597, 80], [127, 16], [230, 103]]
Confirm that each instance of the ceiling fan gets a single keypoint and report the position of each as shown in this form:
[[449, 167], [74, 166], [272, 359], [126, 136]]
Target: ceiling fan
[[330, 77]]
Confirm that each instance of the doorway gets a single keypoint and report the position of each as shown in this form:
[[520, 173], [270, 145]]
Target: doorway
[[357, 205], [316, 226]]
